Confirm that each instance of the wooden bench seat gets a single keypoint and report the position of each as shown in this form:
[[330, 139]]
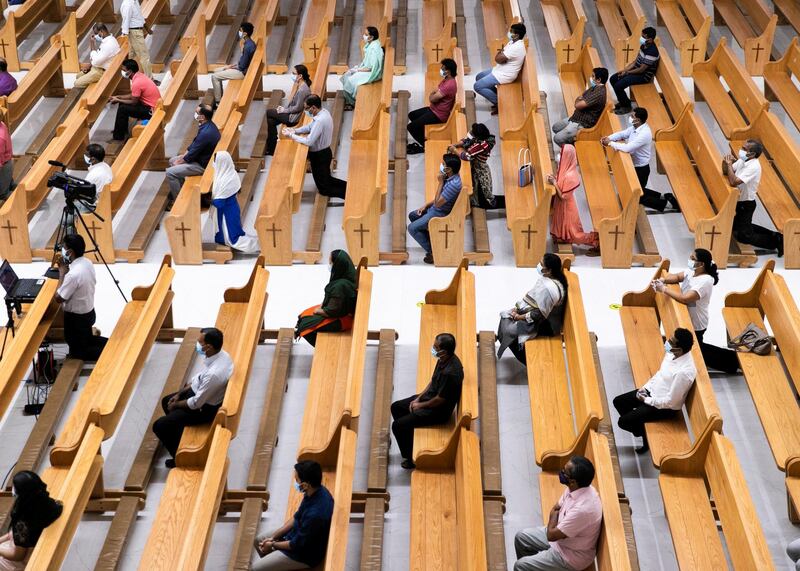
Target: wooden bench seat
[[689, 24], [565, 21], [624, 21], [665, 104], [318, 25], [22, 22], [202, 23], [438, 30], [753, 25], [498, 15], [778, 83]]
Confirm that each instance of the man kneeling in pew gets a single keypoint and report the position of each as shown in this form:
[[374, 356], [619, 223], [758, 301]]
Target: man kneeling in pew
[[663, 395], [199, 400], [569, 540]]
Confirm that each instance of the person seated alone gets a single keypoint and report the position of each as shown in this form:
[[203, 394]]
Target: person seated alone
[[641, 71], [99, 174], [293, 112], [6, 162], [369, 70], [569, 540], [235, 70], [104, 47], [509, 63], [663, 396], [7, 81], [196, 158], [434, 405], [139, 104], [588, 108], [445, 198], [301, 542], [441, 104], [200, 398]]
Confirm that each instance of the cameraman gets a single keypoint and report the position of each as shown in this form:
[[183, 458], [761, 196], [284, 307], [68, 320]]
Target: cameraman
[[76, 281]]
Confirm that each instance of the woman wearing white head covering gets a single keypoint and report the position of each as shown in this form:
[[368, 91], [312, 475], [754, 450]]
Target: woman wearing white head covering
[[228, 221]]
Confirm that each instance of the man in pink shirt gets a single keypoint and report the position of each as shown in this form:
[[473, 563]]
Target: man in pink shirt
[[569, 540], [139, 104], [441, 104], [6, 164]]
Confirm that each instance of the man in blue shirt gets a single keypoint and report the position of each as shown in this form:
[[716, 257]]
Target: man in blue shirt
[[641, 71], [441, 205], [236, 70], [194, 161]]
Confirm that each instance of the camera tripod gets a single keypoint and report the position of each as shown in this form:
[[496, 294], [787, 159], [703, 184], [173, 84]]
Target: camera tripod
[[10, 304]]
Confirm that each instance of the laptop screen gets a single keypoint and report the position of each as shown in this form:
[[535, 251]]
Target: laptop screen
[[7, 276]]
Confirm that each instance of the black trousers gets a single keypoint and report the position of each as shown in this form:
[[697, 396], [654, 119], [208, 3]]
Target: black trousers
[[327, 185], [633, 413], [418, 118], [83, 344], [650, 198], [124, 112], [405, 422], [717, 358], [169, 428], [748, 233], [620, 84], [273, 120], [519, 352]]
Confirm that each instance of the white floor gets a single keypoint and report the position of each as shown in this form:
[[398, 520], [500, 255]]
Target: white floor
[[397, 293]]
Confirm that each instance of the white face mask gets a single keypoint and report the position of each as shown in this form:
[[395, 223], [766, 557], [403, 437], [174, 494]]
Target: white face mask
[[441, 168], [87, 159], [123, 74], [13, 492], [642, 41], [539, 269], [241, 34], [366, 38], [434, 352], [196, 116], [510, 36], [690, 265], [630, 120], [294, 77], [743, 154], [442, 73], [469, 135], [65, 254], [98, 38], [667, 346], [592, 82], [307, 112]]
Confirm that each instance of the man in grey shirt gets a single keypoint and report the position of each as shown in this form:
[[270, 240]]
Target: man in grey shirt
[[319, 134]]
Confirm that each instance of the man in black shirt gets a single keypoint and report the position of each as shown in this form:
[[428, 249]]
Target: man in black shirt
[[643, 70], [435, 404]]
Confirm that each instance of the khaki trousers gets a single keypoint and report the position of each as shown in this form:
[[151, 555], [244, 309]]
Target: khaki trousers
[[83, 80], [138, 49], [221, 75]]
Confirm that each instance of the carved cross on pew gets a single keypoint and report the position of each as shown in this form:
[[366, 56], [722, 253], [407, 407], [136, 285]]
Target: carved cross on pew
[[528, 233], [64, 47], [758, 49], [9, 227], [693, 50], [714, 233], [627, 49], [569, 49], [361, 231], [447, 231], [183, 230], [3, 46], [438, 50], [617, 233], [274, 230], [314, 50], [94, 228]]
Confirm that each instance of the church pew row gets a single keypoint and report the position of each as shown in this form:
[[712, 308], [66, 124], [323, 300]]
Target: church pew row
[[778, 84], [753, 25], [368, 166], [788, 12], [624, 21], [689, 24], [498, 15], [283, 188], [771, 378], [438, 30], [204, 19], [78, 23], [318, 25], [565, 21], [666, 103], [522, 126], [22, 22], [738, 104]]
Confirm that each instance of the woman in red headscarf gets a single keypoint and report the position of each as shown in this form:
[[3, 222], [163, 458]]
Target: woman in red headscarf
[[565, 225]]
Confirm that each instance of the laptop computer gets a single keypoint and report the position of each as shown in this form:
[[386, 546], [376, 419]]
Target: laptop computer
[[24, 290]]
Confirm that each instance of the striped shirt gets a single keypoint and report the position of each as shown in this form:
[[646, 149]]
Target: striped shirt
[[648, 55], [450, 192], [475, 150]]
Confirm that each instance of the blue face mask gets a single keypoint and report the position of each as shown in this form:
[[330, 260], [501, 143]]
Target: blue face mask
[[667, 346], [510, 36], [642, 41], [743, 154], [307, 112], [592, 82], [434, 352], [298, 487], [441, 169], [199, 349], [442, 73], [563, 478], [539, 269]]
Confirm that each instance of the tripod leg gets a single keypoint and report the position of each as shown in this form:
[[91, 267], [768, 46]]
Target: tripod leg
[[99, 253]]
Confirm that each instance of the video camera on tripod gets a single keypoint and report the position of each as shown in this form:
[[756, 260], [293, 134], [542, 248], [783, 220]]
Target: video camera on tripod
[[75, 189]]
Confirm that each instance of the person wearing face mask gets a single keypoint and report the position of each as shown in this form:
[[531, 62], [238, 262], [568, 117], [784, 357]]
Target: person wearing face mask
[[7, 184], [293, 112], [588, 108], [338, 306], [565, 222], [200, 398], [319, 134], [663, 396], [99, 172], [235, 70], [8, 84], [134, 26], [641, 71], [637, 140], [435, 404], [196, 158], [75, 293], [509, 63], [744, 172], [368, 71], [301, 542], [475, 148], [539, 313], [697, 283], [104, 47], [139, 104], [441, 102], [569, 540]]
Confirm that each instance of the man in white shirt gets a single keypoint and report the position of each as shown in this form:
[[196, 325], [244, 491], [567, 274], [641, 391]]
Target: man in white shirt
[[636, 140], [99, 173], [199, 400], [509, 61], [76, 281], [104, 47], [134, 26], [744, 172], [663, 395]]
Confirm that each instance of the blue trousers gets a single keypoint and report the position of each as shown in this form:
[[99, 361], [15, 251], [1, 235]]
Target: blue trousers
[[486, 85], [419, 228]]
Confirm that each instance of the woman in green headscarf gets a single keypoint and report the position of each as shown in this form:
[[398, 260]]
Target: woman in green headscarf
[[337, 308], [368, 71]]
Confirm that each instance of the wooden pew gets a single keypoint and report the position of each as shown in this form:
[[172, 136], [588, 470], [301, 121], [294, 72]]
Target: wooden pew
[[753, 25], [368, 168], [22, 22], [574, 74], [319, 22], [738, 104], [788, 13], [438, 30], [665, 104], [205, 17], [689, 25], [565, 20], [624, 21], [498, 15], [708, 203], [771, 377], [778, 84], [378, 13]]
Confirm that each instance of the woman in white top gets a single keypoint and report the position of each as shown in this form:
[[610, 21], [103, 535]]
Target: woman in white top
[[228, 219], [697, 282]]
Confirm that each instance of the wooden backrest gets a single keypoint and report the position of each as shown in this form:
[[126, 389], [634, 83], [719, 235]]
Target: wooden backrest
[[252, 81], [342, 492], [669, 81], [573, 9], [792, 57], [776, 302], [625, 180], [747, 95], [182, 76], [358, 346], [695, 13], [469, 503], [97, 94], [34, 84], [633, 13], [373, 99], [228, 141], [756, 11], [706, 157]]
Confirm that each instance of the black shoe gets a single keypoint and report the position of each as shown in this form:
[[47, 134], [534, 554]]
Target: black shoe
[[673, 201], [623, 110], [169, 463], [414, 149], [428, 259], [645, 447], [780, 244], [408, 464]]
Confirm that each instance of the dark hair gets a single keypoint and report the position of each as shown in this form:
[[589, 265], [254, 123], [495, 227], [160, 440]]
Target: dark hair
[[206, 111], [649, 32], [247, 28], [100, 27], [553, 263], [313, 100], [452, 161], [3, 64], [302, 71], [309, 472], [447, 343], [641, 114], [373, 32], [76, 243], [582, 471], [519, 29], [704, 257], [33, 508], [450, 65], [684, 339], [480, 131], [756, 147], [96, 151], [601, 73], [213, 337], [131, 65]]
